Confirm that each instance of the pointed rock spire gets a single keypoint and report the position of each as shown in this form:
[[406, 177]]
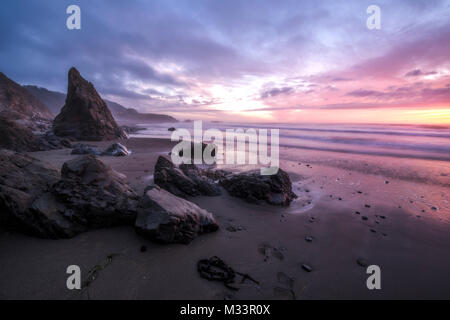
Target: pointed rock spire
[[85, 116]]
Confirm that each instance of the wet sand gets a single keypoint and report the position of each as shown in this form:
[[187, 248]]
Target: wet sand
[[390, 212]]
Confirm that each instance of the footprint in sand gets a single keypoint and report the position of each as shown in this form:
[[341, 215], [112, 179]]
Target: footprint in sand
[[285, 280], [286, 290], [267, 250]]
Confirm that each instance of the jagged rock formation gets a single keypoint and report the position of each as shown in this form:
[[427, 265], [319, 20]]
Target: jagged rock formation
[[166, 218], [184, 181], [200, 177], [16, 137], [37, 200], [253, 187], [55, 101], [24, 120], [26, 201], [82, 149], [17, 103], [96, 195], [85, 116], [116, 150]]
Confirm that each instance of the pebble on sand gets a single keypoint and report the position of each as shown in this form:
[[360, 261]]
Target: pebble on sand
[[308, 239], [307, 267], [362, 262]]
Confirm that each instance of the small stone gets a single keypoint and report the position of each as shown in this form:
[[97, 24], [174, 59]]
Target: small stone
[[116, 150], [357, 212], [308, 239], [367, 205], [362, 262], [143, 248], [364, 218], [373, 231], [433, 208], [307, 268], [386, 182]]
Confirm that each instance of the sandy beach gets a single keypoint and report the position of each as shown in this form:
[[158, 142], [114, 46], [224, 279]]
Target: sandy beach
[[354, 207]]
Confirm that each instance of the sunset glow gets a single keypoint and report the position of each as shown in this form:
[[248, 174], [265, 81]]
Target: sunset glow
[[296, 62]]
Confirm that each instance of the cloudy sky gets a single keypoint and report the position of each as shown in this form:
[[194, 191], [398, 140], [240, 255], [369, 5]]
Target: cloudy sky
[[248, 60]]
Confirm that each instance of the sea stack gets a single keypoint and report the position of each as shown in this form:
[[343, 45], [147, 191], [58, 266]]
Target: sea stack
[[85, 116]]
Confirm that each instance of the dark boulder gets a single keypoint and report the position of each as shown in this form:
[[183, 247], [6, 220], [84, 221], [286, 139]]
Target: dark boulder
[[203, 183], [83, 149], [48, 141], [97, 195], [166, 218], [16, 137], [182, 183], [20, 138], [215, 174], [35, 199], [26, 201], [253, 187], [85, 116], [116, 150]]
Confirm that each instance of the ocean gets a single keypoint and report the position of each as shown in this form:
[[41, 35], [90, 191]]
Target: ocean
[[399, 141]]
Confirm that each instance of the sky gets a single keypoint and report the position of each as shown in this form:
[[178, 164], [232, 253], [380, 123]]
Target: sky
[[242, 60]]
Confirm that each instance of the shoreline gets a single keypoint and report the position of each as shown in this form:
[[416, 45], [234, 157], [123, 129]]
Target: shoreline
[[404, 245]]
